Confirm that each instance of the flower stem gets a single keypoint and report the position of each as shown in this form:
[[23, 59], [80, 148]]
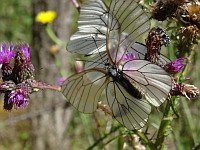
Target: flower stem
[[163, 127], [43, 86], [52, 35]]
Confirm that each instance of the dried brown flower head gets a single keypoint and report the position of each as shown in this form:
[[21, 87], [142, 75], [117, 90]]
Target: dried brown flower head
[[188, 34], [190, 13], [165, 8]]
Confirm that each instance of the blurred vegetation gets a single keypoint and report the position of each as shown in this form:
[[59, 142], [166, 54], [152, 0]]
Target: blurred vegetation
[[15, 20], [98, 131]]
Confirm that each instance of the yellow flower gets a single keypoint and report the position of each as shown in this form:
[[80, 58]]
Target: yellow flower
[[45, 16]]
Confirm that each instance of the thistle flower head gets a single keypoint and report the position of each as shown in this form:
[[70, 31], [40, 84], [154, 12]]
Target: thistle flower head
[[20, 96], [190, 91], [6, 53], [14, 76], [174, 66], [165, 8], [23, 68]]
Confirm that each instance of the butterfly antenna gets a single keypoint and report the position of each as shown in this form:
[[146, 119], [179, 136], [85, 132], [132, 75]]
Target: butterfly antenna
[[100, 54]]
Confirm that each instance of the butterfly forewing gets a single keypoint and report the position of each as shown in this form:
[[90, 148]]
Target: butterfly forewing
[[150, 79], [131, 23], [92, 27], [97, 61], [84, 89], [129, 111]]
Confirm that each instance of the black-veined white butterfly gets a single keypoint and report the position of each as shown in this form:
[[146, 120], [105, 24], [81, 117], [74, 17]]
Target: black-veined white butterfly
[[130, 85]]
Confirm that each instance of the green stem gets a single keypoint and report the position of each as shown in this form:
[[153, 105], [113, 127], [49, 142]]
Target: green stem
[[165, 123], [52, 35], [163, 127], [144, 138], [104, 137]]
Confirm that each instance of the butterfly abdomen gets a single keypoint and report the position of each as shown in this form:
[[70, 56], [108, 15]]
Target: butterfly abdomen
[[118, 77], [129, 88]]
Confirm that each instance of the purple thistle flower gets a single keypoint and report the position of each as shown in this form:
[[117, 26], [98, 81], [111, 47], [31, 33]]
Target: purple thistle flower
[[174, 66], [23, 68], [20, 96], [129, 56], [6, 54]]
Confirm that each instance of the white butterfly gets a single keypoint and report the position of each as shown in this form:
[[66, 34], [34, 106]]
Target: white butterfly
[[130, 85]]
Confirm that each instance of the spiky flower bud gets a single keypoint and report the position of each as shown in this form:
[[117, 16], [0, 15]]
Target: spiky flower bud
[[189, 13], [19, 96], [23, 68]]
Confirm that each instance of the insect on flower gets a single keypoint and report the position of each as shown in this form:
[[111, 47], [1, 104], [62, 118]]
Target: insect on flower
[[130, 85]]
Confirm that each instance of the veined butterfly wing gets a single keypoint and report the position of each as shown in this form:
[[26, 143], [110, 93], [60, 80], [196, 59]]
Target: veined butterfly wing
[[132, 22], [83, 90], [111, 37], [129, 111], [92, 27]]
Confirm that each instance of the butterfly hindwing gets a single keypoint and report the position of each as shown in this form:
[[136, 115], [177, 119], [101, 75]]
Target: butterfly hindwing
[[153, 81], [129, 111], [83, 90]]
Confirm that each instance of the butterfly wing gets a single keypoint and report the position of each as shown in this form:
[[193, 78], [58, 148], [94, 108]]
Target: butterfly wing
[[98, 61], [83, 90], [129, 111], [91, 37], [132, 22], [153, 81]]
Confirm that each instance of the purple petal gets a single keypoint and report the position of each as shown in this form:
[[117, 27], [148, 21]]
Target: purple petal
[[175, 66], [19, 98], [6, 53], [61, 80], [25, 48]]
